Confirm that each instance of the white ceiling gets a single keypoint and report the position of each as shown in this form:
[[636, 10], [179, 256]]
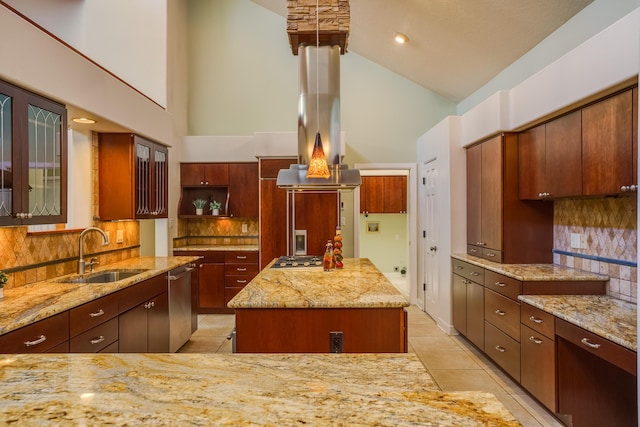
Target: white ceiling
[[455, 46]]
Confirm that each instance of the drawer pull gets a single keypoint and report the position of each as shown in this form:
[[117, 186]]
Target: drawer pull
[[474, 273], [534, 319], [535, 340], [241, 257], [491, 254], [241, 281], [500, 348], [97, 313], [473, 251], [241, 269], [500, 284], [97, 340], [459, 267], [500, 312], [588, 343], [36, 341]]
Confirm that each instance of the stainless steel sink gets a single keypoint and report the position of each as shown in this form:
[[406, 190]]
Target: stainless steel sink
[[105, 276]]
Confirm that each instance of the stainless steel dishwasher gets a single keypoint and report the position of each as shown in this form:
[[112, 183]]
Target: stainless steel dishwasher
[[179, 306]]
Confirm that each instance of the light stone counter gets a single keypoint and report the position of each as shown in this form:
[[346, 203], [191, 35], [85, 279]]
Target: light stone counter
[[358, 285], [27, 304], [603, 315], [234, 390], [533, 272], [218, 248]]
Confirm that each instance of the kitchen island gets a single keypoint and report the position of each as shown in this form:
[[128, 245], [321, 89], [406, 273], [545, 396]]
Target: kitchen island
[[305, 309], [217, 389]]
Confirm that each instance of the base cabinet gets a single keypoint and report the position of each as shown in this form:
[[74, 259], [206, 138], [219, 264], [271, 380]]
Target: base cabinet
[[49, 335]]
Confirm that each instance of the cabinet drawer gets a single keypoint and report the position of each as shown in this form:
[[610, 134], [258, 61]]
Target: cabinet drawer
[[111, 348], [504, 350], [474, 250], [492, 255], [38, 337], [240, 269], [538, 366], [95, 339], [237, 281], [468, 271], [538, 320], [502, 313], [241, 257], [502, 284], [601, 347], [92, 313], [141, 292]]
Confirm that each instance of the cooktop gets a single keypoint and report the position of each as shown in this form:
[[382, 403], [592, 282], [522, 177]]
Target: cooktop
[[298, 261]]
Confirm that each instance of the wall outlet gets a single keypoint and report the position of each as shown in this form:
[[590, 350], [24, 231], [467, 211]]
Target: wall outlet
[[575, 240], [583, 241], [396, 268], [119, 236], [335, 342], [244, 227]]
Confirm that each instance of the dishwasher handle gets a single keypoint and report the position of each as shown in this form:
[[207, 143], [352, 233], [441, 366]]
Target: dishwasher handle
[[182, 274]]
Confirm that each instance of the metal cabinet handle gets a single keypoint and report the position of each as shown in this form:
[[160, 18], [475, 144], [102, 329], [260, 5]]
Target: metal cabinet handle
[[535, 319], [500, 312], [97, 313], [459, 267], [473, 273], [500, 349], [472, 251], [588, 343], [36, 341], [535, 340], [97, 340], [502, 285], [241, 257], [241, 281], [624, 188], [241, 269], [491, 254]]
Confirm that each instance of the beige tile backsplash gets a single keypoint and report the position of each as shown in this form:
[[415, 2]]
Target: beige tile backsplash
[[610, 226]]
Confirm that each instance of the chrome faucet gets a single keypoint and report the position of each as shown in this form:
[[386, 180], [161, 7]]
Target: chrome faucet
[[105, 241]]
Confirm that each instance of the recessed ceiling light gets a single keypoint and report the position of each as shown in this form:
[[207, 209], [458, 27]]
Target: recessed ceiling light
[[84, 120], [401, 38]]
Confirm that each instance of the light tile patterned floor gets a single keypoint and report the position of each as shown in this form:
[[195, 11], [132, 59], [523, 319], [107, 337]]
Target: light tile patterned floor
[[455, 364]]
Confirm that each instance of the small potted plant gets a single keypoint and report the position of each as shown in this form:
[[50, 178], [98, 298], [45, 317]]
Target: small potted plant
[[3, 281], [199, 204], [215, 207]]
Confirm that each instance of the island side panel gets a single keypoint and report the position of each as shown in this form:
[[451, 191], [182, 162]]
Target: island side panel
[[306, 330]]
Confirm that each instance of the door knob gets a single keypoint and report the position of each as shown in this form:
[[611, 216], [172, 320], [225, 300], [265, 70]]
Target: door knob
[[433, 248]]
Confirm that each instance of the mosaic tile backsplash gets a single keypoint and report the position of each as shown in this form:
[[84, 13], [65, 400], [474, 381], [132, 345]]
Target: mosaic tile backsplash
[[610, 227]]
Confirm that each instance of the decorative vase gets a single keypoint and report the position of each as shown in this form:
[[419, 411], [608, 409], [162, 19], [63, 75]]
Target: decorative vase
[[199, 211], [215, 212]]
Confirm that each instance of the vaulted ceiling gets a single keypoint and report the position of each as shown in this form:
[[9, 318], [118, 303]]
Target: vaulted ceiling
[[455, 46]]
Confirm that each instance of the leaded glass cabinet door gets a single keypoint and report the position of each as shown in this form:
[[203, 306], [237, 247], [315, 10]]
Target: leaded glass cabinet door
[[160, 184], [7, 103], [142, 169]]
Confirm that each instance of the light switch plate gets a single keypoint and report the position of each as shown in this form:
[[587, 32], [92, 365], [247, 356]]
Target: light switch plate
[[575, 240], [119, 236]]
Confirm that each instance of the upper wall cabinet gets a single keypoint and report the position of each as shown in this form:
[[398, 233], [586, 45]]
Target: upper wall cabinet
[[383, 194], [205, 174], [545, 153], [33, 158], [608, 147], [132, 177]]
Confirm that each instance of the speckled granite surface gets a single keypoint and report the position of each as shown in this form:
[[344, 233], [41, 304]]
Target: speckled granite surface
[[235, 390], [532, 272], [603, 315], [27, 304], [358, 285], [251, 248]]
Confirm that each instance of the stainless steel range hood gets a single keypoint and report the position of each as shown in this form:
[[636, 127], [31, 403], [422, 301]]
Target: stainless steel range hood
[[319, 112]]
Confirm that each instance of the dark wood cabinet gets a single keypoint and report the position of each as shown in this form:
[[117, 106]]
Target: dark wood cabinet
[[239, 268], [607, 146], [211, 282], [383, 194], [143, 324], [495, 213], [204, 174], [546, 153], [133, 177], [468, 302], [243, 190], [33, 174], [94, 326], [45, 336]]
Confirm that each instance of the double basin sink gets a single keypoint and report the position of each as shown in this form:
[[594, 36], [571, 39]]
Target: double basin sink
[[105, 276]]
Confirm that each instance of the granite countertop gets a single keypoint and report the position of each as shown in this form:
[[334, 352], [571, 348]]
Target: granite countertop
[[235, 389], [27, 304], [358, 285], [533, 272], [603, 315], [250, 248]]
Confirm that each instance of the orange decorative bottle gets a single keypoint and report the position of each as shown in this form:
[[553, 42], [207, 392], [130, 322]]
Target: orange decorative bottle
[[337, 248], [328, 262]]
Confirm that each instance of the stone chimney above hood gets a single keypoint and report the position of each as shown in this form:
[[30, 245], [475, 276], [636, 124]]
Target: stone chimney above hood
[[319, 94]]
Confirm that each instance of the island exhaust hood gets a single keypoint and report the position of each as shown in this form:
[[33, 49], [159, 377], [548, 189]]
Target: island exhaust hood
[[319, 124]]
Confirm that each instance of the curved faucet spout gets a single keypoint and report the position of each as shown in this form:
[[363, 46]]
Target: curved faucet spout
[[105, 241]]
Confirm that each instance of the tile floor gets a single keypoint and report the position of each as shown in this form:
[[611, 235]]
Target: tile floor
[[455, 364]]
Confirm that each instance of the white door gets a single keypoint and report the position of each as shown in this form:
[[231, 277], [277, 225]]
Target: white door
[[430, 237]]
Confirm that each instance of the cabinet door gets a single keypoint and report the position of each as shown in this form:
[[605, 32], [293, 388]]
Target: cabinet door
[[474, 167], [158, 324], [460, 304], [475, 314], [491, 193], [243, 190], [216, 174], [531, 163], [538, 366], [160, 185], [10, 182], [318, 214], [191, 174], [607, 148], [563, 167], [395, 194], [132, 330], [211, 283], [374, 195]]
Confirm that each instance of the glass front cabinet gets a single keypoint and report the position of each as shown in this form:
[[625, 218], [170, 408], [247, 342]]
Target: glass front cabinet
[[33, 157]]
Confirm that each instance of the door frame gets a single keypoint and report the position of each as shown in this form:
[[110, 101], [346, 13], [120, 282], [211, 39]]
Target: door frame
[[412, 236]]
